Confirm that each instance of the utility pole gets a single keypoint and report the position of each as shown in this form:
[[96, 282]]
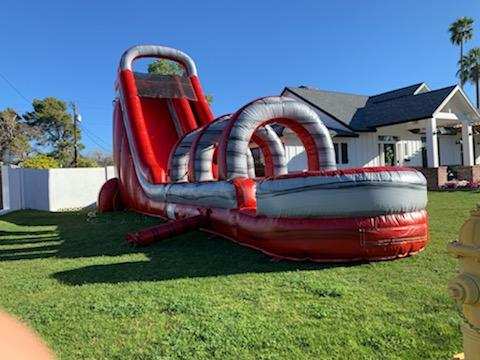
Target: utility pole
[[76, 117]]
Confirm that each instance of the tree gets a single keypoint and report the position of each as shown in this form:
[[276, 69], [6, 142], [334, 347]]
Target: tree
[[168, 67], [470, 70], [461, 31], [209, 99], [14, 137], [55, 125], [40, 161], [165, 67], [101, 158]]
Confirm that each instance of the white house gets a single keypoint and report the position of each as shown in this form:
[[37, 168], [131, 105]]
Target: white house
[[412, 126]]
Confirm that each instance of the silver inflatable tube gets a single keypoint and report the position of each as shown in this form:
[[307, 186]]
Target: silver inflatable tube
[[251, 164], [162, 52], [267, 134], [219, 194], [202, 161], [349, 195], [178, 164]]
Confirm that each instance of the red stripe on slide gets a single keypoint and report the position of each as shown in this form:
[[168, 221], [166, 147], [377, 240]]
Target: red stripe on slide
[[204, 112], [184, 114], [139, 128], [348, 171]]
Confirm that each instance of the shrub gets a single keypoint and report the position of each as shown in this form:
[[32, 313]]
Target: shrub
[[460, 185], [40, 161], [86, 162]]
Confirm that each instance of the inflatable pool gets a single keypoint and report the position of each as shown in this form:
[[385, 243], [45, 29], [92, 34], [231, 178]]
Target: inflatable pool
[[176, 161]]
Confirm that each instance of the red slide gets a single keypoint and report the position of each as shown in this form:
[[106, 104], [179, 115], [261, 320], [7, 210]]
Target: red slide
[[176, 161]]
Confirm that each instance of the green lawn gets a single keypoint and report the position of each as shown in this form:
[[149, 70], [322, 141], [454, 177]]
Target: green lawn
[[91, 296]]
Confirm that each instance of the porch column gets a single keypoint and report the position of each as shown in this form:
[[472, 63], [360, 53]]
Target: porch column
[[432, 143], [467, 144]]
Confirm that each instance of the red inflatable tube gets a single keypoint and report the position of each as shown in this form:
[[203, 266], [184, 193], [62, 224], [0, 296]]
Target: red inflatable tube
[[139, 128], [201, 106], [185, 115], [164, 231], [109, 196], [322, 240]]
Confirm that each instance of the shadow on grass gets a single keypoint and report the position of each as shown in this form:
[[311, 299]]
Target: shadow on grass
[[191, 255]]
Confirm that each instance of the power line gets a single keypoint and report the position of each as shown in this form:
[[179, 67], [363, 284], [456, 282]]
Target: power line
[[92, 136], [96, 143], [15, 88], [95, 135], [89, 133]]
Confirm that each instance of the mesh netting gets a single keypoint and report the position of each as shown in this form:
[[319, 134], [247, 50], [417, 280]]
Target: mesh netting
[[164, 86]]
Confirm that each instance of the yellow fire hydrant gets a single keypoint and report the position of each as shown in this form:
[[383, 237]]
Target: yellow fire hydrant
[[465, 288]]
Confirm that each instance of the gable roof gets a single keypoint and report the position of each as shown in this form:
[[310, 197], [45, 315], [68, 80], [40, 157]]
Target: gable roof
[[366, 113], [340, 106], [393, 94], [401, 109]]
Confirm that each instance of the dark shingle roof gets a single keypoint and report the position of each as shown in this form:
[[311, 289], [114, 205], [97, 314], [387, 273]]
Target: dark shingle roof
[[401, 109], [389, 95], [364, 113], [341, 106]]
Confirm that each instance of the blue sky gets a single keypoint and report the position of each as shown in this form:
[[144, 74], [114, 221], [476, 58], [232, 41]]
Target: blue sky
[[243, 49]]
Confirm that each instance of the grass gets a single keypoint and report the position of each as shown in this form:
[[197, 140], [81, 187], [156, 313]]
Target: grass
[[73, 278]]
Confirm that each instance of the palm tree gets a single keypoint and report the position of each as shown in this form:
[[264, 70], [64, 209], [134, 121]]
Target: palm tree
[[460, 31], [470, 70]]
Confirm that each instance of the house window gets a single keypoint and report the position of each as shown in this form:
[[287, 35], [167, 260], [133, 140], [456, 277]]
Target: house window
[[341, 153], [344, 153], [388, 138]]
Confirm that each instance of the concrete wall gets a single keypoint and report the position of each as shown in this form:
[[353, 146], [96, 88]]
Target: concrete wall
[[53, 189]]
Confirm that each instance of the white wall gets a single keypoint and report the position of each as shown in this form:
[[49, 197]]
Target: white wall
[[34, 188], [53, 189], [476, 144], [450, 149], [362, 150], [408, 147]]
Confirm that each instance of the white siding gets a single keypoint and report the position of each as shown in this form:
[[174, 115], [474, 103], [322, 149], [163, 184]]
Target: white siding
[[366, 150], [476, 144], [408, 147], [294, 152], [449, 150], [362, 150]]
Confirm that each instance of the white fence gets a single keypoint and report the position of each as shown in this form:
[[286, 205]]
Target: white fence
[[52, 189]]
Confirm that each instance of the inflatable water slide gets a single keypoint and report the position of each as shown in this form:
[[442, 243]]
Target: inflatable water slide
[[176, 161]]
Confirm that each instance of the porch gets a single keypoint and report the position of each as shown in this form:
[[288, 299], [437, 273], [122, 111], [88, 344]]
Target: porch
[[452, 139]]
